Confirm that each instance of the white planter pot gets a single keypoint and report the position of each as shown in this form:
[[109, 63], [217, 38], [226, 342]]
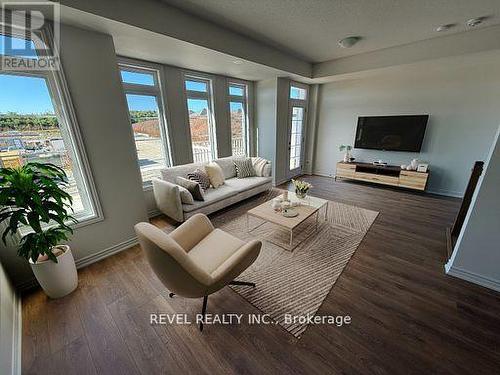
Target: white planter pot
[[57, 279]]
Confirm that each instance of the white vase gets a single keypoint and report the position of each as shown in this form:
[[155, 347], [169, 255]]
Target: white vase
[[57, 279], [414, 164]]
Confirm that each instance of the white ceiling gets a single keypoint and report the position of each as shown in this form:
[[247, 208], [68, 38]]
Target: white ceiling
[[310, 29], [145, 45]]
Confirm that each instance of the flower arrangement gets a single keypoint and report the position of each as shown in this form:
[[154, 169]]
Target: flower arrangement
[[301, 188], [347, 155]]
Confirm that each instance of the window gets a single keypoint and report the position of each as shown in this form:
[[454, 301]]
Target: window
[[297, 120], [202, 129], [238, 116], [297, 93], [37, 125], [144, 100]]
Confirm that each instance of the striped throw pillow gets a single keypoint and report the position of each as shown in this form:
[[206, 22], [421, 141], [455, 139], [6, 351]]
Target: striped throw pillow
[[201, 177], [244, 168], [259, 164]]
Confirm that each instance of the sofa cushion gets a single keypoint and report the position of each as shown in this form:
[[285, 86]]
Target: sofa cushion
[[193, 187], [201, 177], [227, 166], [215, 174], [211, 196], [259, 164], [244, 168], [242, 184], [171, 173], [186, 196]]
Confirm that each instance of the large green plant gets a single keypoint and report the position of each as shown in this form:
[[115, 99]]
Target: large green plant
[[33, 195]]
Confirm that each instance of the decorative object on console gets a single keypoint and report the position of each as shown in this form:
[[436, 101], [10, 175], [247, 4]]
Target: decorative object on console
[[347, 155], [414, 164], [422, 167], [403, 166], [301, 188]]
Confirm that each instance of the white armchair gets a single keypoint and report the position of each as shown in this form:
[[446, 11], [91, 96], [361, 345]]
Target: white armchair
[[196, 259]]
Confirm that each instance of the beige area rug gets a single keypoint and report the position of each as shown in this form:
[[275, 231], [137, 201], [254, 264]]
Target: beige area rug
[[296, 282]]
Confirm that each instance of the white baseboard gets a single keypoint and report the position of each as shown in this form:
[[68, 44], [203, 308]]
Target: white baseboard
[[473, 278], [17, 335], [446, 193], [322, 174], [89, 259]]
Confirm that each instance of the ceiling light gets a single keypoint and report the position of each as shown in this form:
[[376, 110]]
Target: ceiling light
[[474, 21], [238, 62], [349, 41], [446, 27]]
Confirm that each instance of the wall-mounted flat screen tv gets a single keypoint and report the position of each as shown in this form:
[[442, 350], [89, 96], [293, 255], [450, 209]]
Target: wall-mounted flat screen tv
[[391, 133]]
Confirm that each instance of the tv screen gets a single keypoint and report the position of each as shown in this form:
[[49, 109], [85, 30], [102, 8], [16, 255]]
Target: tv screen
[[391, 133]]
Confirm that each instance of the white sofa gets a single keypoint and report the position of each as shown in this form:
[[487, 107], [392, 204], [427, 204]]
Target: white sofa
[[168, 200]]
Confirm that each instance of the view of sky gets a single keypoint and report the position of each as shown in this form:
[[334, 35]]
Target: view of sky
[[24, 95], [14, 97], [16, 47]]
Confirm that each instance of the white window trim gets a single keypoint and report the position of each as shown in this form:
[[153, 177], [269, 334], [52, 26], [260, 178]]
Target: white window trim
[[65, 111], [244, 100], [156, 91], [303, 103], [209, 97]]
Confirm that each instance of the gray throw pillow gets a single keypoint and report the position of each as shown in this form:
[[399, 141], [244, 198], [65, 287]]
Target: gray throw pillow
[[244, 167], [201, 177], [193, 187], [186, 196]]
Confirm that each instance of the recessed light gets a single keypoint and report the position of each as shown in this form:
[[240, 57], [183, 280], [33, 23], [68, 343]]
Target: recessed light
[[474, 22], [238, 62], [446, 27], [349, 41]]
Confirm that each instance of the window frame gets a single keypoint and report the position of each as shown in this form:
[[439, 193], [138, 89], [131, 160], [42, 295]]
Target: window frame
[[209, 97], [65, 112], [147, 90], [303, 103], [244, 100]]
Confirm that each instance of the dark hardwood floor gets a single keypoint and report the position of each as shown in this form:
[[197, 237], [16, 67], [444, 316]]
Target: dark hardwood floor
[[408, 317]]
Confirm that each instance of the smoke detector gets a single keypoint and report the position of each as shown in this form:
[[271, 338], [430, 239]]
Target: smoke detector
[[349, 41]]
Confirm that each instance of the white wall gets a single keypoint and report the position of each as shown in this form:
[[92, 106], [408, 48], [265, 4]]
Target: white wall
[[10, 327], [461, 96], [477, 253], [91, 70]]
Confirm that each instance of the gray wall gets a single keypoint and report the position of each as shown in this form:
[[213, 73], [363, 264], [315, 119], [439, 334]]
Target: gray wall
[[477, 253], [265, 119], [90, 66], [462, 100]]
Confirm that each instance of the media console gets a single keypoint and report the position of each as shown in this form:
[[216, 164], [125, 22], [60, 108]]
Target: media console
[[386, 175]]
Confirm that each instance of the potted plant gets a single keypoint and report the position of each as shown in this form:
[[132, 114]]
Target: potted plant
[[33, 198], [301, 188], [347, 155]]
